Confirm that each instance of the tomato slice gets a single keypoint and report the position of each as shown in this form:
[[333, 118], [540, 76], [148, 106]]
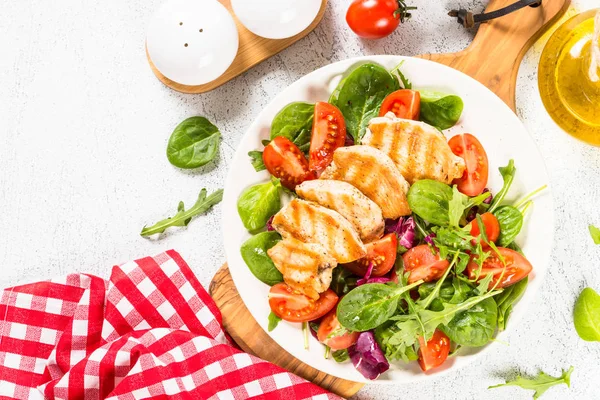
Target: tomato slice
[[285, 161], [292, 306], [382, 253], [491, 224], [517, 268], [423, 264], [328, 133], [330, 324], [475, 177], [403, 103], [433, 353]]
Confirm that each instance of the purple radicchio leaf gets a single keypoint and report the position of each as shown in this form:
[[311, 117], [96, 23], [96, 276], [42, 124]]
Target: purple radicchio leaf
[[404, 228], [472, 214], [490, 198], [429, 239], [365, 279], [381, 279], [270, 224], [367, 356], [349, 141]]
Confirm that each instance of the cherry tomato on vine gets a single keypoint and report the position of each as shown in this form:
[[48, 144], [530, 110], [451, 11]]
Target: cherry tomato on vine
[[375, 19]]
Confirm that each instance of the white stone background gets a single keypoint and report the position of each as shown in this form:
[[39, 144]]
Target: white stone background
[[83, 130]]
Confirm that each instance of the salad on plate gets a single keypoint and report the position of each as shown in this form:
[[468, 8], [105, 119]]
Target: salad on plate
[[378, 234]]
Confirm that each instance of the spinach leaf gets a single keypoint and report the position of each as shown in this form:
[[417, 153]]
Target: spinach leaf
[[294, 122], [193, 143], [360, 94], [430, 199], [254, 253], [257, 160], [257, 204], [370, 305], [273, 321], [462, 291], [509, 297], [539, 383], [340, 355], [508, 175], [475, 326], [594, 233], [440, 110], [587, 315], [183, 217], [342, 281], [511, 222], [446, 290]]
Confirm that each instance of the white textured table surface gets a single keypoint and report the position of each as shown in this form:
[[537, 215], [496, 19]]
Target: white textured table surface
[[83, 131]]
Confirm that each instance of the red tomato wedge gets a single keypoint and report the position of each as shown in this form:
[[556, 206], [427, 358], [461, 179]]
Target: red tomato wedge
[[403, 103], [382, 253], [328, 133], [330, 324], [285, 161], [433, 353], [475, 177], [292, 306], [491, 224], [517, 268], [423, 264]]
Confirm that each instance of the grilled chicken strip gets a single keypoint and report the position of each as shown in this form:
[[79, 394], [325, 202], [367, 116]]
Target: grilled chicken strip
[[373, 173], [305, 267], [419, 150], [364, 215], [312, 223]]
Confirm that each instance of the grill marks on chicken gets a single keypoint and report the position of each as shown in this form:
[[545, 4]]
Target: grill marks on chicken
[[373, 173], [364, 215], [419, 150], [312, 223], [305, 267]]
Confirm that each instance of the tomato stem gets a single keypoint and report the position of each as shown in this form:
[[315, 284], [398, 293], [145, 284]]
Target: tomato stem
[[403, 11]]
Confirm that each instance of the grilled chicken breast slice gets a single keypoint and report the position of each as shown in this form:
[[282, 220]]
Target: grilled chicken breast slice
[[364, 215], [305, 267], [419, 150], [312, 223], [373, 173]]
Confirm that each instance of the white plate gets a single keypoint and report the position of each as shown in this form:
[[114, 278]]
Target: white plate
[[485, 116]]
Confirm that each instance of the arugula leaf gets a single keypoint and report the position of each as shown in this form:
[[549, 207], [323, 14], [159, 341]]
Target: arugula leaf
[[539, 383], [406, 83], [257, 160], [183, 217], [456, 207], [508, 175], [273, 321], [595, 233], [484, 284]]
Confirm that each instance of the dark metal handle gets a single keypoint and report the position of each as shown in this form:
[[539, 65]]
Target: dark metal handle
[[468, 20]]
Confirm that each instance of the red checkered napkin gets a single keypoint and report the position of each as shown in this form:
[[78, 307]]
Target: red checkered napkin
[[151, 331]]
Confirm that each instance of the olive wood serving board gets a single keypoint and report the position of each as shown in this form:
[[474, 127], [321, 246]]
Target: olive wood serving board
[[493, 59], [252, 50]]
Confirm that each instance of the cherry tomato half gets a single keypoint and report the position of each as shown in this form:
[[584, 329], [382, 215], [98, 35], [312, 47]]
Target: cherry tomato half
[[475, 177], [423, 264], [292, 306], [433, 353], [382, 253], [330, 324], [517, 268], [404, 103], [328, 133], [285, 161], [491, 224], [373, 19]]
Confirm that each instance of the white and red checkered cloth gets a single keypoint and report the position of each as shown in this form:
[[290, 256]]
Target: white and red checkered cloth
[[150, 331]]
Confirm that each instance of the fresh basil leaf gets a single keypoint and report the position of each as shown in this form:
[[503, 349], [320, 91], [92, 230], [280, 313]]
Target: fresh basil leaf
[[430, 199], [507, 299], [254, 253], [595, 234], [183, 217], [587, 315], [440, 110], [511, 222], [539, 383], [294, 122], [475, 326], [193, 143], [340, 355], [257, 204], [360, 94], [273, 321], [508, 175], [257, 160]]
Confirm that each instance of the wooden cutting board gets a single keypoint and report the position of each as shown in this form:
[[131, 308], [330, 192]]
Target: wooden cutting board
[[493, 59]]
